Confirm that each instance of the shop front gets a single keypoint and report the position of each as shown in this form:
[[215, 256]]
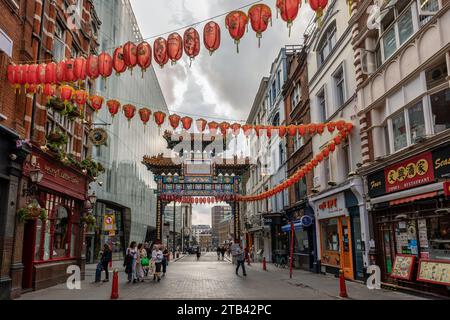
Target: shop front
[[278, 239], [12, 154], [410, 210], [52, 245], [302, 216], [112, 222], [341, 225]]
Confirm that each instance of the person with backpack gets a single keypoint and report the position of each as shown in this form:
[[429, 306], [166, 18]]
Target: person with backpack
[[130, 262]]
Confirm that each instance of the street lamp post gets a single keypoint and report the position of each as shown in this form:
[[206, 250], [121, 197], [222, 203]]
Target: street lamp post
[[174, 229]]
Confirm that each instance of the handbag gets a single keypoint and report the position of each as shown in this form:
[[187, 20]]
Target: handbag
[[145, 262]]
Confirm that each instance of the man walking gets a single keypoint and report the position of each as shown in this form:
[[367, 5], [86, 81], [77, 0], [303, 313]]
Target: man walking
[[240, 260]]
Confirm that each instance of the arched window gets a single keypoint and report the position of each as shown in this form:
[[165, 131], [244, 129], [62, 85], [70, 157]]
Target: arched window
[[326, 43], [60, 235]]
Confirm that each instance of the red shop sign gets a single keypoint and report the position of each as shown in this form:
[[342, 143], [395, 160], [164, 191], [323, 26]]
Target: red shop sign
[[410, 173], [62, 179], [447, 188]]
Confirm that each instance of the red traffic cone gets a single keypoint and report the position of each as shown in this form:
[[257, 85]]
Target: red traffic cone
[[115, 286], [264, 264], [342, 286]]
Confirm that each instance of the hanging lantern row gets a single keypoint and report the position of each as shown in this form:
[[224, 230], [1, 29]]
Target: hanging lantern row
[[299, 174], [131, 55], [80, 97], [198, 200]]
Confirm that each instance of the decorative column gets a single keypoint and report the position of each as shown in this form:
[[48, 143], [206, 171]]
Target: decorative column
[[237, 220], [159, 222]]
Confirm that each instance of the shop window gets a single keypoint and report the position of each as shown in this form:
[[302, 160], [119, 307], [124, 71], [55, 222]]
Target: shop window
[[60, 235], [439, 107], [330, 241], [301, 244], [439, 238]]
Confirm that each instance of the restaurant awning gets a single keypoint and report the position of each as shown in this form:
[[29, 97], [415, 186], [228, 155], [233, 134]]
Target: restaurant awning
[[413, 198], [297, 226]]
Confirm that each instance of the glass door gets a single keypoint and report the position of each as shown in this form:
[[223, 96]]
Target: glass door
[[346, 252], [387, 245]]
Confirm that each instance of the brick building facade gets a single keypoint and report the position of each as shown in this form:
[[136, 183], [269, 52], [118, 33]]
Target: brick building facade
[[35, 254]]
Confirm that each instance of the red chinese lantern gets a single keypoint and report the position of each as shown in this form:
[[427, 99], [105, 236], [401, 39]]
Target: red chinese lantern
[[92, 69], [211, 36], [50, 73], [289, 11], [337, 140], [144, 114], [69, 74], [96, 102], [319, 157], [60, 71], [130, 55], [144, 56], [80, 97], [269, 131], [260, 15], [224, 126], [41, 73], [326, 152], [32, 78], [66, 93], [349, 126], [191, 41], [129, 111], [174, 47], [320, 128], [213, 126], [312, 128], [187, 122], [282, 131], [113, 107], [12, 74], [118, 62], [247, 129], [160, 51], [105, 65], [236, 129], [340, 125], [201, 124], [79, 69], [258, 129], [318, 6], [236, 22], [332, 146], [292, 130], [159, 118], [49, 91], [302, 130], [174, 120], [331, 126], [196, 200]]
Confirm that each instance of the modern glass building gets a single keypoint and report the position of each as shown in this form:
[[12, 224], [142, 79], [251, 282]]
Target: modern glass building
[[125, 190]]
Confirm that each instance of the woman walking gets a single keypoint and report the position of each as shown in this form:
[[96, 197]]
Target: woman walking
[[157, 257], [141, 260], [165, 261], [130, 262]]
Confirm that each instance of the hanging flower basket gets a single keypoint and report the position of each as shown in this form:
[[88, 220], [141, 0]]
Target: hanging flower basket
[[32, 212], [89, 220], [56, 104]]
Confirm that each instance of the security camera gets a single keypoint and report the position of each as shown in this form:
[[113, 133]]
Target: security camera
[[13, 156], [100, 183]]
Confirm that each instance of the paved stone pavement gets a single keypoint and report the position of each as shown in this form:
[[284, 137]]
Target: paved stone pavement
[[208, 278]]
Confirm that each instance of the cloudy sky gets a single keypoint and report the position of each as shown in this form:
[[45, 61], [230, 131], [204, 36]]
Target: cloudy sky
[[221, 86]]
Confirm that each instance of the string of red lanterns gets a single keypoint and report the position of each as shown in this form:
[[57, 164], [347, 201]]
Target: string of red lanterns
[[131, 55]]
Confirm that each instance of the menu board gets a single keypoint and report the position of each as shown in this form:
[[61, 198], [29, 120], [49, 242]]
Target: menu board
[[434, 271], [403, 267]]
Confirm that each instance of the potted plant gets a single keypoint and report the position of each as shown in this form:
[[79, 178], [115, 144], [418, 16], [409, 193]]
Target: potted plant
[[32, 212], [56, 104], [56, 140], [89, 220]]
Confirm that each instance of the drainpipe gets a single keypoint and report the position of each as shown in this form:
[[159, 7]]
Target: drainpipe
[[38, 57]]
